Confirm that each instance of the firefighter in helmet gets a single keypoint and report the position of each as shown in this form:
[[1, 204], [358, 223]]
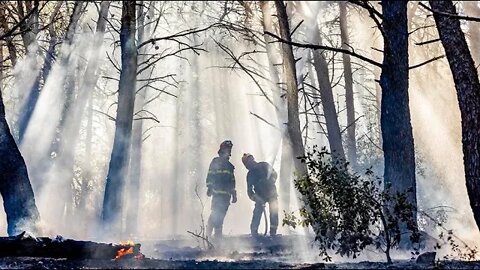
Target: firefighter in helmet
[[221, 186], [261, 189]]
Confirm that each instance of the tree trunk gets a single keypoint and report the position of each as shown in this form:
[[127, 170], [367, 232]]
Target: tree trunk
[[398, 146], [50, 54], [12, 50], [349, 98], [326, 97], [472, 9], [87, 166], [320, 64], [293, 124], [68, 128], [286, 159], [195, 170], [316, 100], [21, 246], [15, 188], [29, 28], [32, 98], [137, 133], [118, 167], [467, 85]]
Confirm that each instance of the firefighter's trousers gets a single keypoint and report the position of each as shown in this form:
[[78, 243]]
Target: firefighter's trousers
[[220, 204], [257, 216]]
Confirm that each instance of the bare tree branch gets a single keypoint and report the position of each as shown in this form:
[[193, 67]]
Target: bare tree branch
[[106, 114], [427, 42], [180, 34], [426, 62], [321, 47], [460, 17], [345, 128], [231, 54], [265, 121], [11, 32]]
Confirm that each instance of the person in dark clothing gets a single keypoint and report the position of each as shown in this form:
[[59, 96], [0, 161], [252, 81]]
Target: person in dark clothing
[[261, 189], [221, 186]]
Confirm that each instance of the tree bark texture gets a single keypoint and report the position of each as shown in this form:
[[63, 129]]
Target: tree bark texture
[[326, 97], [398, 145], [12, 50], [286, 159], [15, 188], [467, 85], [349, 98], [118, 167], [137, 136], [293, 125], [20, 246], [29, 28]]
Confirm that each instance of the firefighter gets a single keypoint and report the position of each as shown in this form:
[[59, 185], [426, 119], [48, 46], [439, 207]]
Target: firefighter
[[261, 189], [221, 186]]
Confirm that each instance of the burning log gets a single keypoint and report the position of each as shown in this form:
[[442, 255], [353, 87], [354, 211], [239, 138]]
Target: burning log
[[22, 246]]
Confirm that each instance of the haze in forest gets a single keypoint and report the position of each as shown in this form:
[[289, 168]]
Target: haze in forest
[[197, 95]]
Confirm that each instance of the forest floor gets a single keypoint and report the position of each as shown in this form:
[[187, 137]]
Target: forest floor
[[240, 252]]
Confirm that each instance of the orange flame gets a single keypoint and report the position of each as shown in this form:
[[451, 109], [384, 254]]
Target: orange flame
[[122, 252], [127, 243]]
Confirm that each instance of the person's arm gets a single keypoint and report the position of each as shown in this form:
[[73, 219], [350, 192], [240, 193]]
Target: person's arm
[[210, 177], [233, 192], [250, 192], [273, 174]]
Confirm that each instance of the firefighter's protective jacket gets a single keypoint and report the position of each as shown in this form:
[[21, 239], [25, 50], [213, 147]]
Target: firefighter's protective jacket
[[261, 182], [220, 178]]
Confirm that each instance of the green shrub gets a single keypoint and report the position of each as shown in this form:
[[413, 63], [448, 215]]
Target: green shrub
[[348, 211]]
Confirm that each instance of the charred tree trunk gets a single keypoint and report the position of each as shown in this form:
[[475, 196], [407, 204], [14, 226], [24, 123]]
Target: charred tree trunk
[[326, 97], [118, 167], [1, 63], [467, 85], [293, 125], [349, 98], [286, 159], [398, 146], [137, 133], [15, 188], [21, 246]]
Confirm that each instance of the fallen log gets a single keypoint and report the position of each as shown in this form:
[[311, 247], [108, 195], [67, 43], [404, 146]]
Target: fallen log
[[27, 246]]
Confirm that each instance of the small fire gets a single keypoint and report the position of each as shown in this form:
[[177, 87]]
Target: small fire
[[127, 243], [125, 251], [122, 252]]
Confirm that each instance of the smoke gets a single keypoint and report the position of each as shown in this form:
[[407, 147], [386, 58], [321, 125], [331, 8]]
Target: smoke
[[436, 128], [209, 102]]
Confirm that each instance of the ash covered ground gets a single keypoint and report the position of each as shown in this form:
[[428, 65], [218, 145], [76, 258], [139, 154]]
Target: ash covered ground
[[239, 252]]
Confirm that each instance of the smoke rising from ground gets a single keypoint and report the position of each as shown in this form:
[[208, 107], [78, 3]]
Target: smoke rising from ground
[[211, 102]]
